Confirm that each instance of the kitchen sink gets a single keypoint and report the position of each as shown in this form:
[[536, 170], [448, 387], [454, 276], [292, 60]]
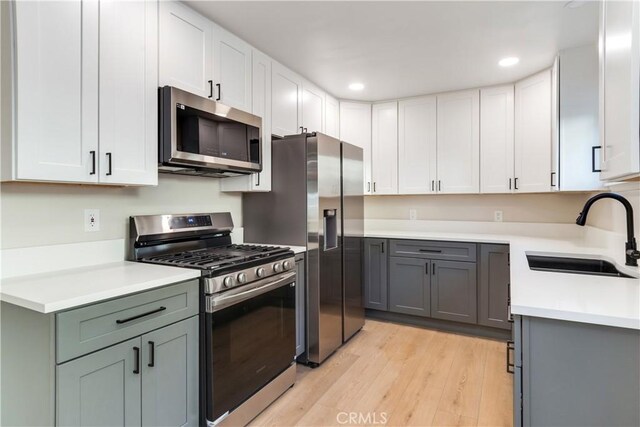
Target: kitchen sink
[[598, 267]]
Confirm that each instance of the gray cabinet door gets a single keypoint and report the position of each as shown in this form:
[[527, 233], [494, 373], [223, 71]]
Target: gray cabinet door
[[375, 274], [100, 389], [170, 375], [493, 290], [300, 306], [409, 287], [453, 291]]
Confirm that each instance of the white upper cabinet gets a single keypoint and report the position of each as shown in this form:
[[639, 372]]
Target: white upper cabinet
[[417, 145], [231, 69], [459, 142], [129, 92], [533, 134], [384, 148], [261, 106], [331, 116], [185, 49], [57, 92], [355, 128], [619, 88], [580, 149], [86, 106], [312, 108], [286, 97], [496, 139]]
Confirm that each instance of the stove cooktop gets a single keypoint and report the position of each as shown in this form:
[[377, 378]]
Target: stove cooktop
[[220, 258]]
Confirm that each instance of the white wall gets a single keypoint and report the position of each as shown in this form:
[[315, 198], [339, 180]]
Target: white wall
[[610, 215], [558, 208], [45, 214]]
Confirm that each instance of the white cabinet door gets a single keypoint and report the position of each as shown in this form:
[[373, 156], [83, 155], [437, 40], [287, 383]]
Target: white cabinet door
[[129, 92], [331, 116], [355, 128], [286, 97], [185, 49], [417, 145], [261, 106], [312, 108], [619, 88], [496, 139], [232, 70], [57, 91], [533, 136], [384, 148], [459, 142], [579, 131]]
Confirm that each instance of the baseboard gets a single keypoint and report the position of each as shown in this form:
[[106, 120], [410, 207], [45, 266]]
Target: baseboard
[[440, 325]]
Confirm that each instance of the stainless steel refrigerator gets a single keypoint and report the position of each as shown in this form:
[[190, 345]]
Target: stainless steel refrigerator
[[316, 200]]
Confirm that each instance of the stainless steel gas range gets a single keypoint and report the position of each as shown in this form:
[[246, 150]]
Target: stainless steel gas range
[[247, 310]]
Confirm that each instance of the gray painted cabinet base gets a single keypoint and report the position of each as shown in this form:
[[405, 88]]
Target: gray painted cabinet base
[[375, 274], [409, 286], [453, 291], [578, 374], [493, 286], [100, 389]]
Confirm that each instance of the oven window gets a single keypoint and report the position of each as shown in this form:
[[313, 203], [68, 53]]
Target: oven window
[[249, 344], [215, 136]]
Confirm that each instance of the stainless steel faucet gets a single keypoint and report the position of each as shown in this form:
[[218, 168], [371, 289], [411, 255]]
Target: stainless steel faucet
[[631, 249]]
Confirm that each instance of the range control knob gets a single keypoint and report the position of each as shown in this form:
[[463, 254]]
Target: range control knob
[[287, 265], [277, 267], [227, 282], [242, 278], [260, 272]]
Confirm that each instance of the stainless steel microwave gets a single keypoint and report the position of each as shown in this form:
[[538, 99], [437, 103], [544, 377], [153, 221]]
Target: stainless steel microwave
[[199, 136]]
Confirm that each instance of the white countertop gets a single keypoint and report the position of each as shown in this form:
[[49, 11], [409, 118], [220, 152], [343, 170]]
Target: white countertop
[[611, 301], [61, 290]]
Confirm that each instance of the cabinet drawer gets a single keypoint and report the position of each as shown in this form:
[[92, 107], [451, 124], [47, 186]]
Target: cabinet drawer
[[454, 251], [93, 327]]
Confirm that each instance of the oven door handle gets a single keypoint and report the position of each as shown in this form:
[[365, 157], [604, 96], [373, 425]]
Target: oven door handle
[[216, 303]]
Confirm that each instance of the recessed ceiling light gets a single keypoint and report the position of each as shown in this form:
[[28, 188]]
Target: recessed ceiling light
[[356, 86], [508, 62]]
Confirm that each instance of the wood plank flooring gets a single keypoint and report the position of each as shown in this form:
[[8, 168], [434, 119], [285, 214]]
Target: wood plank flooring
[[399, 375]]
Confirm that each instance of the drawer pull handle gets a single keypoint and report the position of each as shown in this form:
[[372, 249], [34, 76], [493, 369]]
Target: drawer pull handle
[[152, 354], [136, 368], [431, 251], [148, 313], [510, 364]]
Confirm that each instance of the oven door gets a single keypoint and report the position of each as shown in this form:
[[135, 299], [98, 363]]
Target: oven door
[[250, 339]]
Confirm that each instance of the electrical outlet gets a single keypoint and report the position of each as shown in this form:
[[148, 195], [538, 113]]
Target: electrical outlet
[[92, 220], [413, 214], [497, 216]]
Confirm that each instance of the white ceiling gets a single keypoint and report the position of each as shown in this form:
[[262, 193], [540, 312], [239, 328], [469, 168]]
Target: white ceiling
[[400, 49]]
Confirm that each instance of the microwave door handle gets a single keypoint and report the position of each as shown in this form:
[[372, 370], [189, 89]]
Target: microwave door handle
[[218, 303]]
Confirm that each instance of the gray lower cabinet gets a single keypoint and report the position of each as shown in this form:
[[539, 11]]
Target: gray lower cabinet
[[493, 286], [575, 374], [170, 375], [301, 317], [150, 380], [375, 274], [409, 286], [101, 389], [453, 291]]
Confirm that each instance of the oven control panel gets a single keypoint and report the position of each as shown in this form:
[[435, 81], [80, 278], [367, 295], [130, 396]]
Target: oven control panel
[[227, 281], [188, 221]]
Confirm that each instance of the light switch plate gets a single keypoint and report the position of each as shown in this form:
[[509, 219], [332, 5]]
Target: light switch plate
[[413, 214], [92, 220]]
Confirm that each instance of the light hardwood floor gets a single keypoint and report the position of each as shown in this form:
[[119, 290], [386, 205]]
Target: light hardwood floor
[[398, 375]]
